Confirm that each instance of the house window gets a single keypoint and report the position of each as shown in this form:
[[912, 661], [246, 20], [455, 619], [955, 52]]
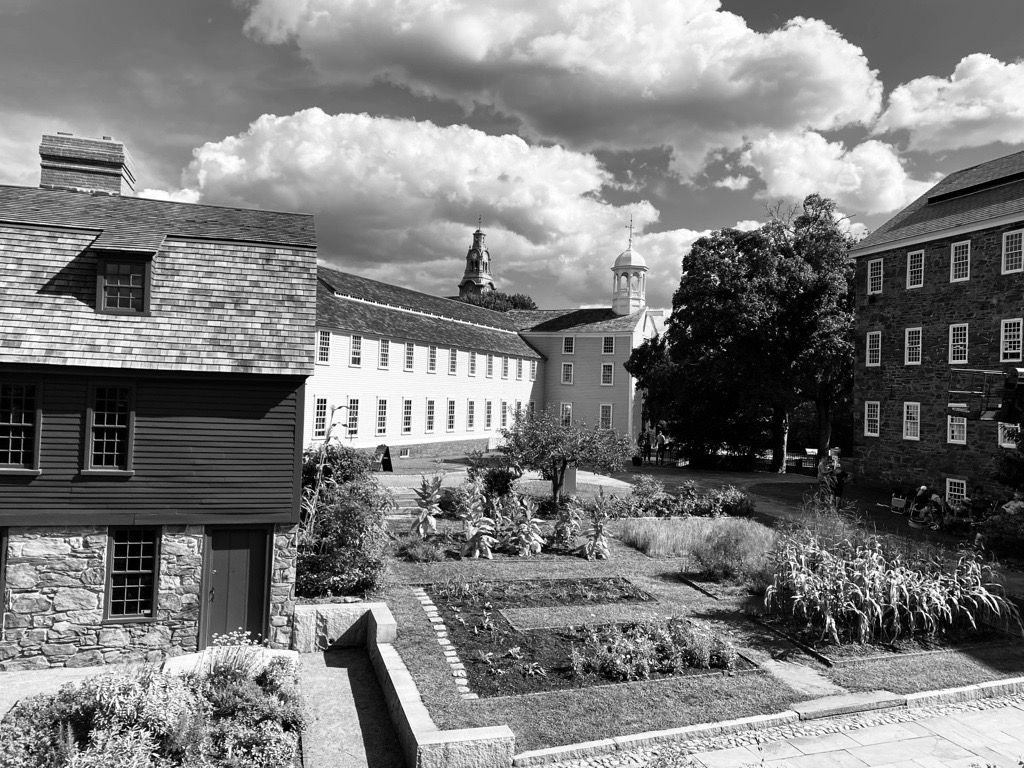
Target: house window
[[110, 422], [431, 359], [429, 423], [872, 417], [608, 345], [453, 362], [912, 346], [956, 430], [406, 417], [568, 345], [504, 367], [567, 373], [20, 417], [607, 374], [123, 285], [355, 357], [134, 554], [1013, 253], [960, 262], [451, 415], [472, 363], [490, 366], [956, 490], [382, 417], [531, 408], [385, 354], [533, 370], [1010, 340], [915, 269], [874, 347], [604, 419], [487, 414], [320, 418], [503, 414], [323, 347], [470, 414], [875, 276], [911, 421], [566, 413], [958, 343], [410, 355], [1005, 435], [519, 368], [353, 416], [519, 408]]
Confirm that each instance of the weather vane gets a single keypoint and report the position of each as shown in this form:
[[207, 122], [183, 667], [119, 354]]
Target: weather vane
[[630, 228], [480, 222]]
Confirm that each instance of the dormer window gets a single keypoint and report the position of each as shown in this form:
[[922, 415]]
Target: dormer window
[[122, 284]]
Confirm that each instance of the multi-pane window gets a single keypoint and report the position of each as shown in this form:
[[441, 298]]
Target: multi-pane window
[[874, 349], [504, 367], [472, 363], [428, 425], [608, 345], [490, 366], [110, 422], [355, 357], [132, 573], [911, 421], [406, 417], [604, 416], [385, 354], [470, 414], [503, 413], [566, 414], [320, 417], [453, 361], [487, 414], [451, 415], [1010, 340], [1005, 435], [956, 490], [410, 355], [323, 346], [958, 343], [915, 269], [519, 368], [872, 417], [121, 286], [568, 345], [1013, 251], [607, 374], [19, 423], [912, 346], [567, 373], [956, 430], [382, 417], [875, 276], [519, 407], [533, 370], [353, 416], [960, 261], [431, 359]]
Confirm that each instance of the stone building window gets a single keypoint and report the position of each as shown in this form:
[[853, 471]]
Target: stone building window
[[20, 417], [958, 343], [110, 421], [1010, 340], [960, 262], [604, 418], [956, 430], [384, 354], [915, 269], [956, 489], [1013, 252], [320, 417], [133, 557], [1004, 437], [874, 276], [911, 421], [912, 346], [874, 349], [323, 347], [872, 418]]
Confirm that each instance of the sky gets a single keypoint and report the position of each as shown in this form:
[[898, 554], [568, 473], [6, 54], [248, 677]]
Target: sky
[[401, 123]]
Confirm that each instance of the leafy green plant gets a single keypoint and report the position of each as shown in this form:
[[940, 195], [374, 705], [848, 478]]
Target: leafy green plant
[[525, 537], [427, 496], [595, 544], [717, 501], [1003, 533], [567, 525]]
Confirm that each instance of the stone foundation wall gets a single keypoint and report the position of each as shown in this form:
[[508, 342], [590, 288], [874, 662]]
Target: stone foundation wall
[[282, 585]]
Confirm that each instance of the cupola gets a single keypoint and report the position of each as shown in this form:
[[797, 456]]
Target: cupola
[[629, 281], [477, 277]]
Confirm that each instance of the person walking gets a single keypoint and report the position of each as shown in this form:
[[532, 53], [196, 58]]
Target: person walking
[[662, 444], [645, 445]]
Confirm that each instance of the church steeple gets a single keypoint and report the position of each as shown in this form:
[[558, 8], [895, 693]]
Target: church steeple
[[477, 277]]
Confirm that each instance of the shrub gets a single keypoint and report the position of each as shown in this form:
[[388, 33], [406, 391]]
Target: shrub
[[733, 548], [496, 474], [1003, 532], [422, 550], [718, 501], [647, 498]]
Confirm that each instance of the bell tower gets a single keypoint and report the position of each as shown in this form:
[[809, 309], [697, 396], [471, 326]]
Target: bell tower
[[629, 280], [477, 277]]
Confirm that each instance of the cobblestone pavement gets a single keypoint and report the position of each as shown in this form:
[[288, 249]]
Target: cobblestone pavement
[[986, 732]]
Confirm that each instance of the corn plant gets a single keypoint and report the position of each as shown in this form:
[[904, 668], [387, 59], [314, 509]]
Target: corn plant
[[595, 544], [525, 536], [428, 494]]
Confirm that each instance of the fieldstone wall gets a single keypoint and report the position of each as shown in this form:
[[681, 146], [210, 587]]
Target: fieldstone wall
[[282, 585]]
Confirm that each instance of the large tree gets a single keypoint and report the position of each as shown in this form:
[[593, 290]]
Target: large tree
[[498, 301]]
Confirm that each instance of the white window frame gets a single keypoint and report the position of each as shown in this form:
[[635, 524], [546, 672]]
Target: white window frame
[[956, 430], [604, 345], [610, 368], [953, 262], [910, 269], [352, 425], [565, 414], [406, 417], [429, 416], [567, 368], [954, 346], [908, 422], [470, 415], [869, 406], [603, 423], [432, 358], [875, 279], [519, 369], [877, 336], [503, 414], [490, 366], [323, 347], [956, 489], [355, 352], [1011, 357], [1002, 439], [381, 425], [908, 349], [449, 423], [504, 366], [472, 363], [568, 345], [453, 361], [320, 417], [1020, 251], [410, 355], [488, 414], [533, 370], [384, 354]]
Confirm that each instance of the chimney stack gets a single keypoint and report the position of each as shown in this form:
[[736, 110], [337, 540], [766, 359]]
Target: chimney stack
[[85, 165]]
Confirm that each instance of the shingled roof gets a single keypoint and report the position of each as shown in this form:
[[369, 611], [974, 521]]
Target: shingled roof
[[231, 291], [359, 305], [965, 198], [596, 320]]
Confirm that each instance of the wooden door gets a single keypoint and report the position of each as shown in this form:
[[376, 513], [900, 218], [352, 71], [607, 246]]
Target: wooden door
[[237, 582]]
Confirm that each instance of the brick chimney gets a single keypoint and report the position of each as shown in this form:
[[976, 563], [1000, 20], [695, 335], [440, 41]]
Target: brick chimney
[[85, 165]]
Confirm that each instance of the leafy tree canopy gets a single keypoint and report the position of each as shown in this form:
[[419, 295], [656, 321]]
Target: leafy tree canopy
[[498, 301]]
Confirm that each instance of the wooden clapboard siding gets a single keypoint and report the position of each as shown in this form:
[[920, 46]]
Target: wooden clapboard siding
[[206, 449]]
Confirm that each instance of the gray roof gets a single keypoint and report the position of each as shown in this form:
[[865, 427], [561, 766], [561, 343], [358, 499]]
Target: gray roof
[[595, 320]]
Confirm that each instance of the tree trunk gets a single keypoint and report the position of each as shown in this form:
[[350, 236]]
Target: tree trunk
[[824, 424], [780, 436], [557, 478]]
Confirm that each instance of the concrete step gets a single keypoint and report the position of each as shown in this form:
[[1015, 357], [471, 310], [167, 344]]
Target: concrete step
[[831, 706]]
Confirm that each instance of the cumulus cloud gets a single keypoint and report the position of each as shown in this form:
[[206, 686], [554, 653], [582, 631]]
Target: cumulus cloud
[[174, 195], [869, 178], [735, 183], [979, 104], [397, 200], [593, 74]]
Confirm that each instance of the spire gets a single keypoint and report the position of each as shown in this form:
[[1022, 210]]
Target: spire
[[477, 277], [629, 247]]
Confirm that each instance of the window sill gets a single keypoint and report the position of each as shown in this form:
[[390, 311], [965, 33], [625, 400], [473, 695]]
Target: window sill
[[129, 620], [111, 473], [20, 472]]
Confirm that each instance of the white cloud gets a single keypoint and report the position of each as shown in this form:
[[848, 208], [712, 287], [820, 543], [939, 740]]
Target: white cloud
[[869, 178], [979, 104], [735, 183], [397, 200], [747, 225], [609, 74], [176, 195]]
